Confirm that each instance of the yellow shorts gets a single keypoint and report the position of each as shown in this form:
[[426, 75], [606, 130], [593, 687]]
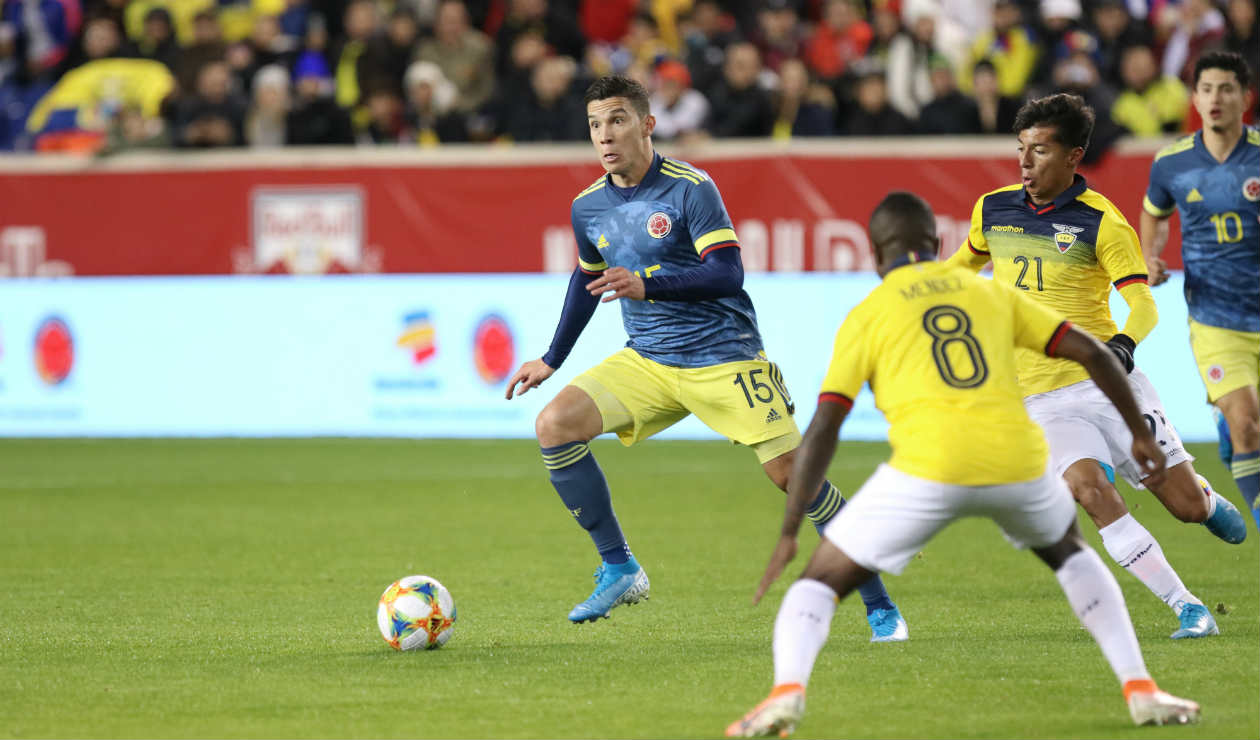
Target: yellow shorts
[[1227, 359], [746, 402]]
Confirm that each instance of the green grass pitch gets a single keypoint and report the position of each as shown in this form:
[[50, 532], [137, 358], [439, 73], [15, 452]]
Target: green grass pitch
[[227, 588]]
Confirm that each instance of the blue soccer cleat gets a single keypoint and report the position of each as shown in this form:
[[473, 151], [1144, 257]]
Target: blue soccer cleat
[[1226, 522], [1196, 621], [625, 583], [887, 625], [1224, 443]]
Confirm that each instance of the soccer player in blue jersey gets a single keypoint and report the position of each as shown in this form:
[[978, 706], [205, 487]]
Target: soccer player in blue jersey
[[1213, 178], [1065, 246], [653, 232]]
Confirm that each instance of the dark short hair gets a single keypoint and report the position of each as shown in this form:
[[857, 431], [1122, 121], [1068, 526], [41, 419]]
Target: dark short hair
[[618, 86], [1226, 60], [906, 219], [1072, 119]]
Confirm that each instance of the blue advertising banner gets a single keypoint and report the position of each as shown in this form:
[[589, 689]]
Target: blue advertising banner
[[406, 355]]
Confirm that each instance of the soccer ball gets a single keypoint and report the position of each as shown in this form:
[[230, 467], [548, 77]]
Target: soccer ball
[[416, 612]]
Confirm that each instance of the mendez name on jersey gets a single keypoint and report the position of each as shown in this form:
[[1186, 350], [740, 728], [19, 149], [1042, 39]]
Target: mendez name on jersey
[[666, 225]]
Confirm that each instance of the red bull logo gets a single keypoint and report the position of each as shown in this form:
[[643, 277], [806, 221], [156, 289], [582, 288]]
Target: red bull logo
[[419, 337], [494, 350], [54, 351]]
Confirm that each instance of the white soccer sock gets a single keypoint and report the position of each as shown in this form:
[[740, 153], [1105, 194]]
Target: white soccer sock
[[1135, 550], [1096, 598], [801, 629]]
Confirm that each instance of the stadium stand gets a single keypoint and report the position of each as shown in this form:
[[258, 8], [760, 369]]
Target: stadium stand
[[107, 76]]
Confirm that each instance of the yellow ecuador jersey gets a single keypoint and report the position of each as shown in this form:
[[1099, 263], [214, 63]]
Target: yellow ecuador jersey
[[1065, 255], [937, 344]]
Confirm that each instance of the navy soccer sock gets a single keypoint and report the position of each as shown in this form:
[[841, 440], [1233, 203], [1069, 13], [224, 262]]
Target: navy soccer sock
[[582, 486], [826, 505], [1246, 470]]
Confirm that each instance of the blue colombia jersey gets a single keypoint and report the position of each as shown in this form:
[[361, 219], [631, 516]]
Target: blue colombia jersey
[[1220, 234], [665, 227]]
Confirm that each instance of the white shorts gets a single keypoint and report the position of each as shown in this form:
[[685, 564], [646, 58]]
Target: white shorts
[[894, 515], [1081, 423]]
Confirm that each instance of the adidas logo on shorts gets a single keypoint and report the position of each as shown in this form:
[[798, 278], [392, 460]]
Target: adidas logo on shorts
[[773, 416]]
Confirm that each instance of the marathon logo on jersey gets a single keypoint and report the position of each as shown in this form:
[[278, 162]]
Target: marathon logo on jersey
[[659, 225], [1065, 236], [1251, 189]]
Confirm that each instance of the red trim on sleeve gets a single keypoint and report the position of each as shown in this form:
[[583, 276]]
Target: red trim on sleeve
[[719, 245], [588, 272], [1130, 280], [1057, 337], [973, 249], [840, 398]]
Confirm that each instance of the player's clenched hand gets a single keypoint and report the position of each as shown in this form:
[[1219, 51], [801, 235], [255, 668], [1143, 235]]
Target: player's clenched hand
[[531, 375], [1156, 271], [1150, 459], [618, 282], [784, 551]]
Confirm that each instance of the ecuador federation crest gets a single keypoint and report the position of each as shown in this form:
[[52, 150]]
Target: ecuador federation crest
[[659, 225], [1065, 236]]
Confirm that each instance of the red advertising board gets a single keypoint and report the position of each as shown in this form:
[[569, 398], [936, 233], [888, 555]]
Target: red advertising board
[[795, 208]]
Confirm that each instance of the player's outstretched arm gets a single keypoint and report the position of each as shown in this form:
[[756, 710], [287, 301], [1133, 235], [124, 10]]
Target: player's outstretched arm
[[530, 375], [808, 471], [1110, 378], [579, 306], [1154, 235]]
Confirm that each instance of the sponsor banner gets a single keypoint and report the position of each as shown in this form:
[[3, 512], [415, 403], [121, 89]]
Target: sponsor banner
[[795, 209], [407, 356]]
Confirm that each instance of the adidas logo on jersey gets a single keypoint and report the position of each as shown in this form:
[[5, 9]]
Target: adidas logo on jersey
[[1194, 196], [773, 416], [602, 243]]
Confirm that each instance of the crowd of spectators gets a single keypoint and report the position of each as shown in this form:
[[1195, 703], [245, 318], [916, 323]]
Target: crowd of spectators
[[110, 75]]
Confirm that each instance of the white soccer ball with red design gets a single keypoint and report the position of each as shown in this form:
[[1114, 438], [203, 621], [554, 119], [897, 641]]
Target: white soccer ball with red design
[[416, 613]]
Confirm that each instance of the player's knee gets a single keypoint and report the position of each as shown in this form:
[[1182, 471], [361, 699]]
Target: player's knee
[[556, 425], [1091, 491], [1099, 499], [1057, 554]]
